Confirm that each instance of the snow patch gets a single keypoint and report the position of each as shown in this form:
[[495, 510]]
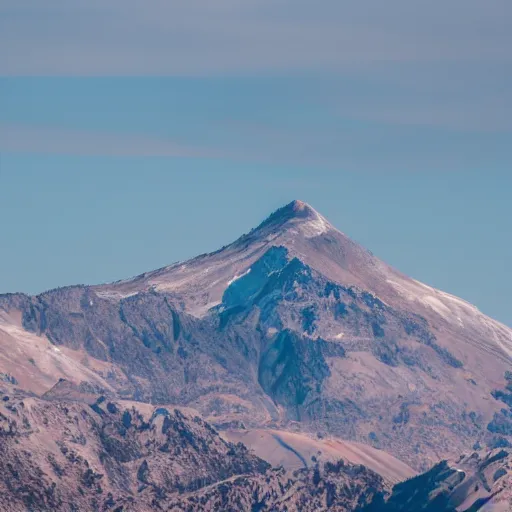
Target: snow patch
[[428, 298], [315, 227], [236, 278], [114, 294], [437, 305], [456, 310], [456, 301]]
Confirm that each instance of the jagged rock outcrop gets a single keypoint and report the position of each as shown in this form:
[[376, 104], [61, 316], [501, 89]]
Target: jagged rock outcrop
[[67, 455], [70, 452], [293, 324], [480, 481]]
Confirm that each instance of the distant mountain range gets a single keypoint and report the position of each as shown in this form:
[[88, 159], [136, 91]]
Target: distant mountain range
[[293, 337]]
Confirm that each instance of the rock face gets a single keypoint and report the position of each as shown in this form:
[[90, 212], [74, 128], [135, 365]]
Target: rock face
[[62, 454], [293, 326], [481, 481], [337, 487], [108, 455], [68, 452], [476, 482]]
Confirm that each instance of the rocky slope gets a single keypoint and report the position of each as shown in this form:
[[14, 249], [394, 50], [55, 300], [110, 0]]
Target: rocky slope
[[293, 326], [334, 486], [480, 481], [75, 450], [293, 450]]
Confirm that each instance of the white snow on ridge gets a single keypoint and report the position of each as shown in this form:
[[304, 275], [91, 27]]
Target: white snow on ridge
[[315, 227], [437, 305], [449, 296], [430, 297], [114, 294], [231, 281], [456, 310]]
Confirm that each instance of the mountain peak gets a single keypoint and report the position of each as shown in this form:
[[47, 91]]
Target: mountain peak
[[297, 213], [300, 206], [299, 209]]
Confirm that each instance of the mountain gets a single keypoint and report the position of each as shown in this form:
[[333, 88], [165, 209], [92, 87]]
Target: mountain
[[75, 450], [480, 481], [483, 483], [293, 327], [293, 450], [82, 453]]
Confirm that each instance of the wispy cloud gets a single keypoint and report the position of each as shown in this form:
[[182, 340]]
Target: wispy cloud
[[457, 96], [226, 36], [443, 63], [49, 140]]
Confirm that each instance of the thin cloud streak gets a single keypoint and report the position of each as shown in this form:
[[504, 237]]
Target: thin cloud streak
[[447, 63], [50, 140], [341, 149], [200, 37]]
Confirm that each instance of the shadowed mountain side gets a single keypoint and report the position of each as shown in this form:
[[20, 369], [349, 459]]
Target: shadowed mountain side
[[69, 453], [107, 455], [293, 326]]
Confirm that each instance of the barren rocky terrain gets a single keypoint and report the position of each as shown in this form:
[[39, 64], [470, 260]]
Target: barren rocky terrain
[[75, 450], [293, 337]]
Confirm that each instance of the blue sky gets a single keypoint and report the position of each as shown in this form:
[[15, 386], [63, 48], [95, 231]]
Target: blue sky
[[135, 134]]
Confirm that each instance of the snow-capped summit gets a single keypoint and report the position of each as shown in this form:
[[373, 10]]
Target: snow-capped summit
[[201, 282], [294, 211], [293, 321], [298, 215]]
